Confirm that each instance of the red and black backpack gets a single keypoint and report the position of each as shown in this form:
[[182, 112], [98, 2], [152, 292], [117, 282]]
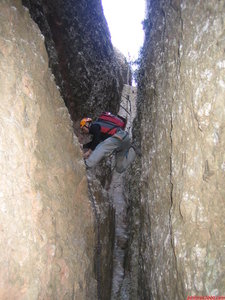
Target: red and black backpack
[[110, 123]]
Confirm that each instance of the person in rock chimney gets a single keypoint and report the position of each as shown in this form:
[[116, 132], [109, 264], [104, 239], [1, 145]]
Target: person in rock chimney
[[108, 137]]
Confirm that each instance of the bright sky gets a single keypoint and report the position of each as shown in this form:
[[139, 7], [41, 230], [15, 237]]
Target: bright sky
[[124, 19]]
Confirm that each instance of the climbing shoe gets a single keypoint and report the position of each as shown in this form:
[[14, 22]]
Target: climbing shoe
[[137, 150]]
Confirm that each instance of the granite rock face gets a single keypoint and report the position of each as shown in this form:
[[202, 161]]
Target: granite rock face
[[46, 247], [99, 181], [87, 68], [178, 232], [58, 233], [90, 74]]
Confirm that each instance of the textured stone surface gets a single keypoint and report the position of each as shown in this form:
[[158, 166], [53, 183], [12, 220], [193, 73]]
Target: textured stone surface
[[118, 197], [99, 180], [80, 50], [46, 221], [106, 188], [176, 189], [92, 73], [178, 231]]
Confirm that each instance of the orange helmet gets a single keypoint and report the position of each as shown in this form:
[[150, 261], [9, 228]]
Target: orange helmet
[[84, 121]]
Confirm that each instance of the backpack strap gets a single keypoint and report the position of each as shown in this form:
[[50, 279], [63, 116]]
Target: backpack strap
[[106, 127], [112, 128]]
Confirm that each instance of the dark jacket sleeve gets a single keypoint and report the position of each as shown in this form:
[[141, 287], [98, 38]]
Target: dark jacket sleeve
[[95, 130]]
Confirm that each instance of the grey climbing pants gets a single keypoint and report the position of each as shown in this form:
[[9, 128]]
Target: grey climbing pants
[[120, 144]]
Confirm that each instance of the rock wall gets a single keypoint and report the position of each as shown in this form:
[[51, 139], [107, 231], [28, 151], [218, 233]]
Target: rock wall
[[119, 199], [46, 220], [177, 228], [88, 70], [90, 74], [99, 180], [54, 245]]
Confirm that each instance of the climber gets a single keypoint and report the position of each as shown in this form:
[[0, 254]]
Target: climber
[[107, 138]]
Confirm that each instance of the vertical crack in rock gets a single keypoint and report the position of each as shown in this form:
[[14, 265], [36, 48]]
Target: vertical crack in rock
[[120, 280], [178, 68], [98, 182], [121, 234], [98, 239]]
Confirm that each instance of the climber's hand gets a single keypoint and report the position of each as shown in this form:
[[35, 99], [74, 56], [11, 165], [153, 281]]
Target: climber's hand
[[87, 154]]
